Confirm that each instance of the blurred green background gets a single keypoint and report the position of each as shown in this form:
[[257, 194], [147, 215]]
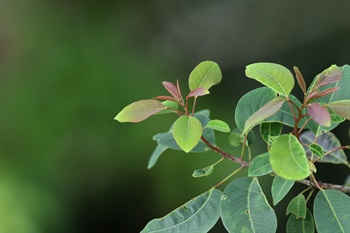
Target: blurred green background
[[68, 67]]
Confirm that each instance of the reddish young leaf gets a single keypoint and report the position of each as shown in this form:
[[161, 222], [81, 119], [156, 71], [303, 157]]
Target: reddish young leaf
[[315, 94], [163, 97], [300, 79], [331, 75], [319, 113], [172, 89], [198, 92], [178, 90]]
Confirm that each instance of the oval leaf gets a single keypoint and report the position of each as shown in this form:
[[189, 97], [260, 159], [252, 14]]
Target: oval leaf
[[269, 131], [331, 211], [244, 208], [139, 111], [316, 150], [342, 108], [219, 126], [301, 225], [187, 132], [288, 158], [297, 206], [320, 114], [203, 172], [205, 75], [274, 76], [198, 215], [279, 189], [260, 166]]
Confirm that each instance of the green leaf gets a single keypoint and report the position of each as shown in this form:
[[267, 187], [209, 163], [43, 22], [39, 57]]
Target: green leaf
[[187, 132], [219, 126], [264, 112], [274, 76], [270, 131], [342, 108], [279, 189], [198, 215], [205, 75], [244, 208], [260, 165], [331, 211], [316, 150], [257, 98], [168, 104], [297, 206], [236, 138], [155, 155], [139, 111], [203, 172], [328, 141], [301, 225], [288, 158]]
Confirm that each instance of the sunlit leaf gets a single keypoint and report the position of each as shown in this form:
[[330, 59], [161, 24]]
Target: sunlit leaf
[[198, 215], [139, 111], [198, 92], [203, 172], [155, 155], [301, 225], [316, 150], [319, 114], [274, 76], [279, 189], [168, 104], [342, 108], [288, 158], [264, 112], [328, 141], [172, 89], [297, 207], [331, 211], [219, 126], [260, 165], [244, 208], [205, 75]]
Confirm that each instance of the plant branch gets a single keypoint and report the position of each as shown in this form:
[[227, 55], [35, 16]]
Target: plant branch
[[342, 188]]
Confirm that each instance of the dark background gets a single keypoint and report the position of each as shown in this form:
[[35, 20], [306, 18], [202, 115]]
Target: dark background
[[68, 67]]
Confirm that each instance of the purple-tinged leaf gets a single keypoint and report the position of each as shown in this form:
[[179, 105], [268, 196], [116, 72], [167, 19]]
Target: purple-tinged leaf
[[342, 108], [264, 112], [198, 92], [319, 113], [315, 94], [139, 111], [178, 90], [172, 89], [300, 79], [331, 75], [164, 97]]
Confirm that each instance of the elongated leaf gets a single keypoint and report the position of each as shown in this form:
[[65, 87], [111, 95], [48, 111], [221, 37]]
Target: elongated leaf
[[198, 92], [300, 79], [205, 75], [256, 99], [274, 76], [203, 172], [297, 206], [155, 155], [279, 189], [328, 141], [342, 108], [139, 111], [187, 132], [331, 211], [331, 75], [219, 126], [288, 158], [266, 111], [319, 114], [270, 131], [301, 225], [244, 208], [260, 165], [172, 89], [198, 215]]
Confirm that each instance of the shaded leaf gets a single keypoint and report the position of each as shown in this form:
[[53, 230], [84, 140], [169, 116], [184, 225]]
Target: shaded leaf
[[219, 126], [279, 189], [316, 150], [328, 141], [203, 172], [260, 165], [244, 208], [319, 114], [205, 75], [301, 225], [269, 131], [139, 111], [297, 206], [198, 92], [264, 112], [331, 75], [331, 211], [288, 158], [198, 215], [342, 108], [155, 155], [274, 76], [300, 79], [236, 138], [187, 132]]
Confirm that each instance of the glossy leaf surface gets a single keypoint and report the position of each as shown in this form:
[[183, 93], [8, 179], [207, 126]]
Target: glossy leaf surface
[[244, 208], [279, 189], [274, 76], [187, 132], [198, 215], [205, 75], [301, 225], [260, 165], [288, 158], [297, 207], [219, 126], [331, 211]]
